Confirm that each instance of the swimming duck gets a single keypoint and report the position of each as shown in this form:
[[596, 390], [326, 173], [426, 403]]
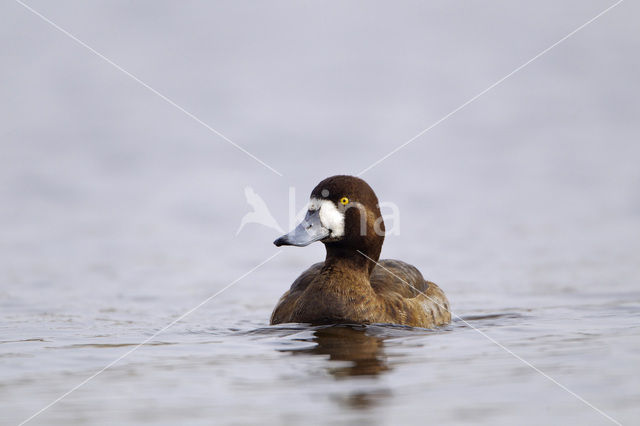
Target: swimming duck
[[352, 285]]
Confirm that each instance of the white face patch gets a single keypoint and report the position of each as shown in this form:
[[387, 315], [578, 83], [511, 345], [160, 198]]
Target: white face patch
[[330, 217]]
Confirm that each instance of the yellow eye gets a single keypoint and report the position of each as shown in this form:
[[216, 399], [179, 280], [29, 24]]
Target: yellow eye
[[344, 200]]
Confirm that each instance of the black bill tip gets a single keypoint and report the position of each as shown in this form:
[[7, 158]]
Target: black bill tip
[[281, 241]]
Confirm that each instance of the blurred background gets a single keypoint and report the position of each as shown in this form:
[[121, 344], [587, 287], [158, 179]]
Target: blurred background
[[119, 212]]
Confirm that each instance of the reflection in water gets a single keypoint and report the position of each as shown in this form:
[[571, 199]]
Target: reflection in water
[[362, 399], [349, 343], [365, 355]]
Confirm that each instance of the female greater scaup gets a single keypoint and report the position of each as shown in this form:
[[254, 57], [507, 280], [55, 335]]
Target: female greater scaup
[[351, 286]]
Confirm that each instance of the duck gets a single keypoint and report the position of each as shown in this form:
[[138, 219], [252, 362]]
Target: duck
[[352, 285]]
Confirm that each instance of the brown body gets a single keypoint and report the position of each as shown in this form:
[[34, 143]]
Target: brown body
[[341, 295], [351, 285]]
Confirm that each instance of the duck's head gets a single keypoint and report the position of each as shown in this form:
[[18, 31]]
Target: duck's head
[[343, 213]]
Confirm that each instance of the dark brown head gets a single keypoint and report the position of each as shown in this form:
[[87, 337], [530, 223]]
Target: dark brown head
[[344, 215]]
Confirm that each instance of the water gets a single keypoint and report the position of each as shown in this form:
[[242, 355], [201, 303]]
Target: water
[[119, 213]]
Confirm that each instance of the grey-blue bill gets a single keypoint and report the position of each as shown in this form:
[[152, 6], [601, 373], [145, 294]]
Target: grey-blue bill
[[308, 231]]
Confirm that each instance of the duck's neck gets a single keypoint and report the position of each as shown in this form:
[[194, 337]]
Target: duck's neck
[[358, 261]]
